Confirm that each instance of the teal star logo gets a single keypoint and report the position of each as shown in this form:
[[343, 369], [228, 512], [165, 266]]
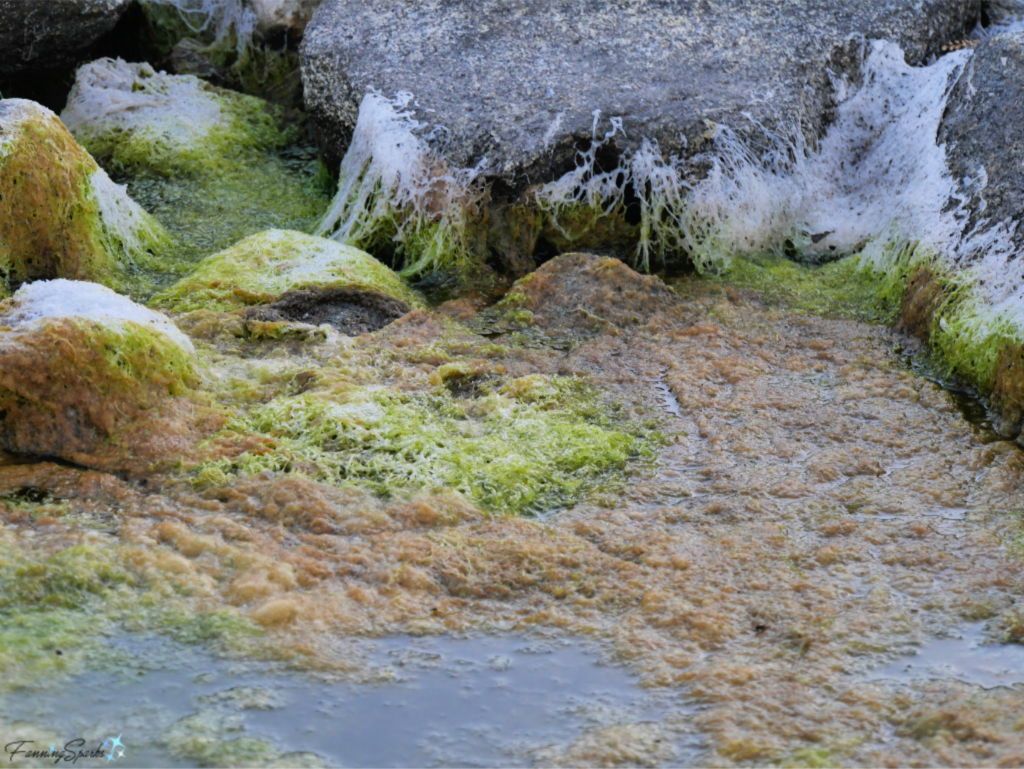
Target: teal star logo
[[114, 743], [53, 748]]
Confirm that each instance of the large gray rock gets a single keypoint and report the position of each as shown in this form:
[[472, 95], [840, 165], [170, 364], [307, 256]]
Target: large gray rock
[[518, 81], [50, 34], [983, 130]]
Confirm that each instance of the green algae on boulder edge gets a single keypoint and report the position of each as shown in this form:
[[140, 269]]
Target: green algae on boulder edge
[[212, 165], [263, 268], [132, 117], [78, 363], [396, 194], [60, 215], [529, 445]]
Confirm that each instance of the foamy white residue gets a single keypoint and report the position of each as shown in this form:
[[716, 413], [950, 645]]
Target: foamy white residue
[[879, 180], [390, 177], [113, 95], [219, 18], [61, 298], [127, 225]]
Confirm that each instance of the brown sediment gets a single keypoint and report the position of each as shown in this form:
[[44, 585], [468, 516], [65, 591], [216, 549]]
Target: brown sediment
[[816, 511], [923, 297], [348, 311], [1007, 398]]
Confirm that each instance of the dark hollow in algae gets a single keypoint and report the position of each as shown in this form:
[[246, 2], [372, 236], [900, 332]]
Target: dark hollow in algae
[[349, 312]]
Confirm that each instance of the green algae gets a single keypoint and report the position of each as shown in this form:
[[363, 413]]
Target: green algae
[[57, 608], [212, 170], [60, 215], [261, 268], [966, 338], [531, 445], [846, 288]]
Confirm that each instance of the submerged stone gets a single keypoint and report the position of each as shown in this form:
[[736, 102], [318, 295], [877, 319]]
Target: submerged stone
[[78, 363], [292, 276], [583, 292], [60, 215], [48, 35]]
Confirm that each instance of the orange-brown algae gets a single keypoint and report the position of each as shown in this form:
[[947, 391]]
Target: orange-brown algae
[[817, 511]]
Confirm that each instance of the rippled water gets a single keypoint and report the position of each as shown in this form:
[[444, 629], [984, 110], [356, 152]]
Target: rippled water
[[967, 656], [484, 701]]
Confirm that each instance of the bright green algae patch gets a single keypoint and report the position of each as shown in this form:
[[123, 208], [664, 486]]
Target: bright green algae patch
[[60, 215], [529, 446], [263, 267], [212, 165], [846, 288]]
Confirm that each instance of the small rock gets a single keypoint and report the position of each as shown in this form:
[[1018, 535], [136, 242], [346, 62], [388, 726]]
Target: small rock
[[290, 276]]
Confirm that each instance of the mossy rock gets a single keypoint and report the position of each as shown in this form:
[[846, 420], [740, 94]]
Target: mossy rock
[[583, 293], [79, 362], [213, 166], [131, 117], [60, 215], [272, 267]]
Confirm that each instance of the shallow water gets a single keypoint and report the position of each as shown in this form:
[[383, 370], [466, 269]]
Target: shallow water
[[967, 656], [480, 701]]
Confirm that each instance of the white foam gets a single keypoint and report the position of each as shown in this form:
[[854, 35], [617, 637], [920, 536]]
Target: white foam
[[173, 111], [226, 21], [390, 177], [128, 227], [35, 302]]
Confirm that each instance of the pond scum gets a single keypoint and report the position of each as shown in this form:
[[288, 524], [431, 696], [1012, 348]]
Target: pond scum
[[813, 511]]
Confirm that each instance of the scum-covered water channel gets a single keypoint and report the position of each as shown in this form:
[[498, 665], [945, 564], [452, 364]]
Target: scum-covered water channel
[[608, 520]]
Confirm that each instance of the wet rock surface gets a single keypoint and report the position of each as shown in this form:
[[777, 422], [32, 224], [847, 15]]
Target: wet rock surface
[[49, 35], [982, 130], [518, 83]]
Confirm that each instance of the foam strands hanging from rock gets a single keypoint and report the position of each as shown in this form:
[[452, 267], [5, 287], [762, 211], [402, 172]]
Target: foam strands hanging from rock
[[394, 190]]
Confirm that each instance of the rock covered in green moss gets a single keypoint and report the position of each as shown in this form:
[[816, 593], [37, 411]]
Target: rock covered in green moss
[[129, 116], [49, 35], [79, 362], [212, 165], [266, 268], [60, 215]]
